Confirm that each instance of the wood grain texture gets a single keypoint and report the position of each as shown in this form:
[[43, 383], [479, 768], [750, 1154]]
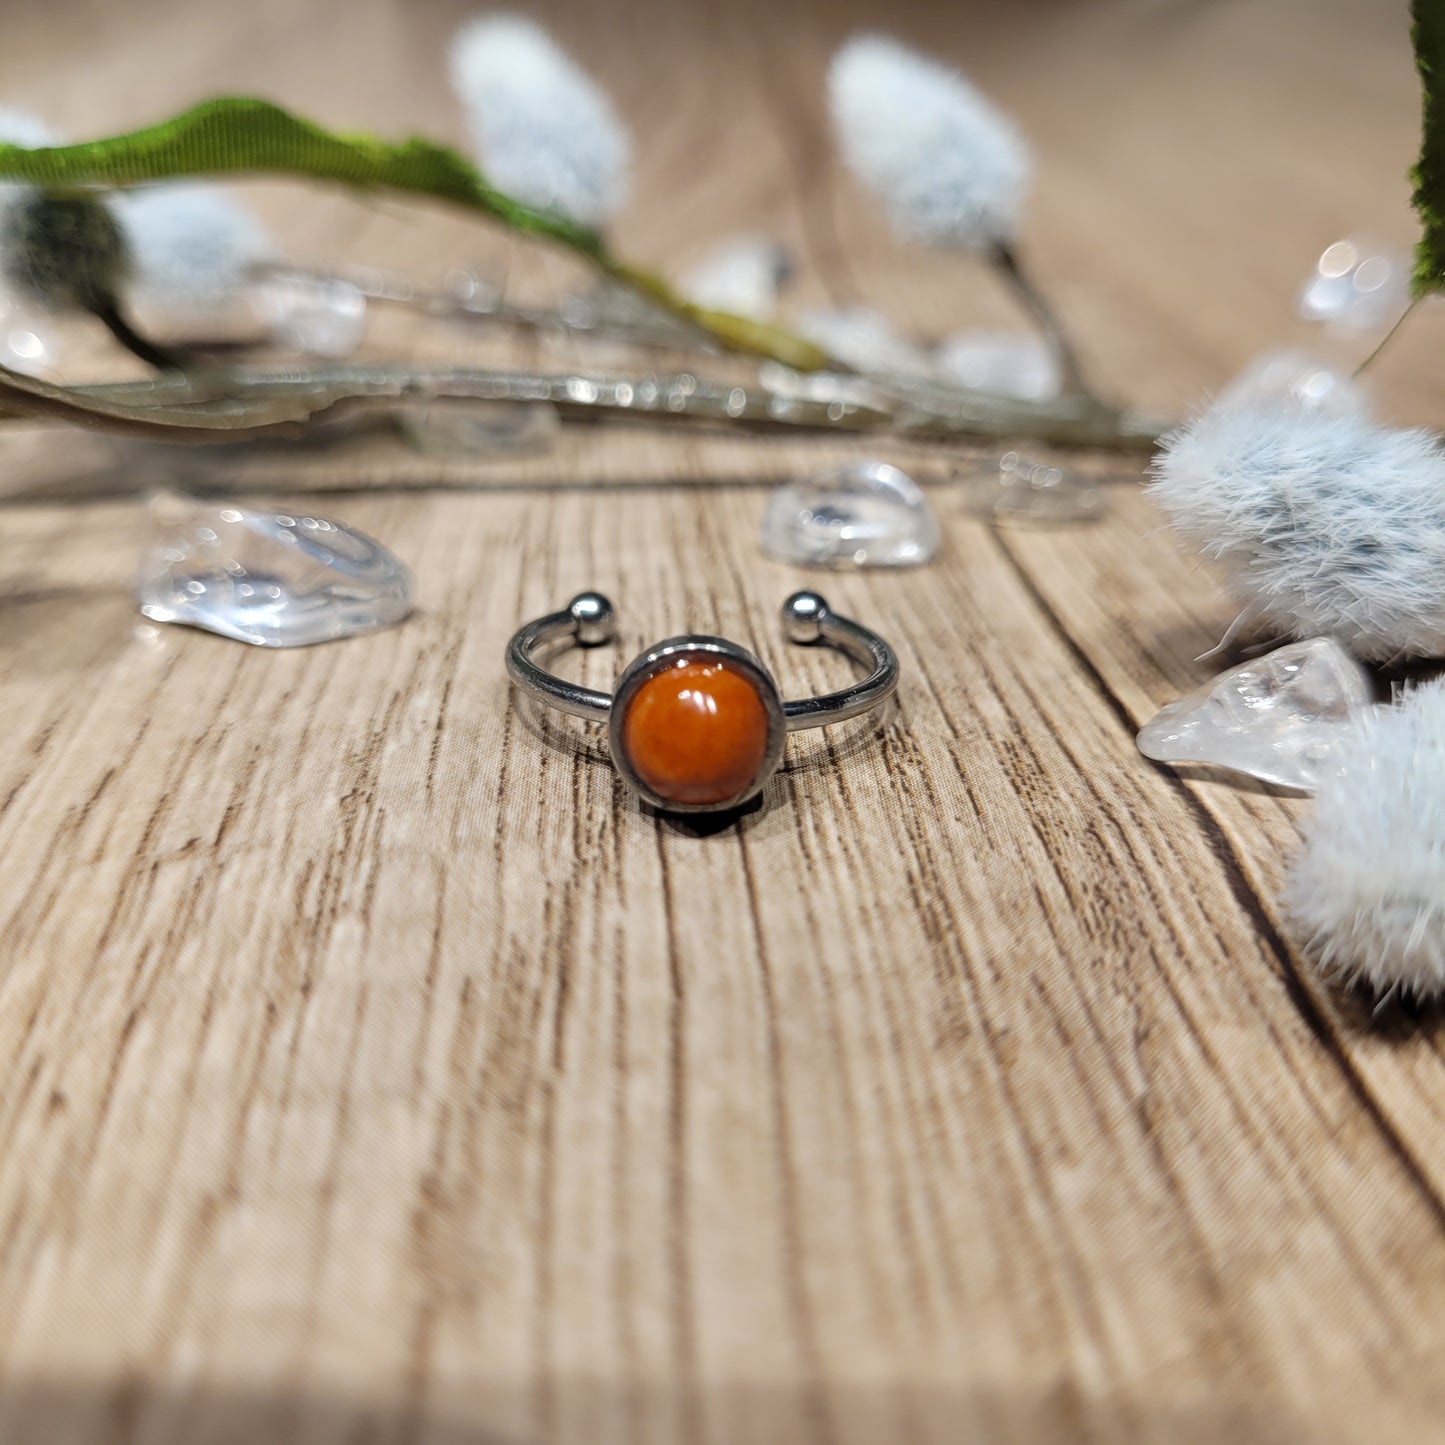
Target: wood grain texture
[[375, 1070]]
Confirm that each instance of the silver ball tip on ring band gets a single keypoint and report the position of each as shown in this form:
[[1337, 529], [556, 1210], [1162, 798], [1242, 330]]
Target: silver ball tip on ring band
[[697, 723]]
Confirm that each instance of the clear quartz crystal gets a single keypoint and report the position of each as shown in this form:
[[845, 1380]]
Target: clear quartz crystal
[[1279, 718], [482, 428], [742, 275], [315, 315], [1023, 492], [276, 579], [1358, 286], [1295, 378], [862, 514], [1005, 363]]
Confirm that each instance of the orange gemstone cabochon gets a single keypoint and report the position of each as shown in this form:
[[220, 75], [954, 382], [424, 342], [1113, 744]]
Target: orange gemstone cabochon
[[696, 732]]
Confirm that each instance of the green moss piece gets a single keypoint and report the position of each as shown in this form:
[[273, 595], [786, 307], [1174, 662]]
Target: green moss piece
[[1428, 34]]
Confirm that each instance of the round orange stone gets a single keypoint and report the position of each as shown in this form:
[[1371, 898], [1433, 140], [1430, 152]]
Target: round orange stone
[[696, 732]]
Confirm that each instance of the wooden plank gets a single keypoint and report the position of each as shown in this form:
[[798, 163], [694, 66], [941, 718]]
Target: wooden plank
[[403, 964], [1142, 628], [376, 1069]]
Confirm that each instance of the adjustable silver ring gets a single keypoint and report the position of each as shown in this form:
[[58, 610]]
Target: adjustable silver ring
[[697, 723]]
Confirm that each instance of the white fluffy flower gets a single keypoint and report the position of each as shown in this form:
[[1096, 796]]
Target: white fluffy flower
[[741, 275], [1327, 524], [1366, 894], [950, 167], [544, 132], [192, 247], [20, 128]]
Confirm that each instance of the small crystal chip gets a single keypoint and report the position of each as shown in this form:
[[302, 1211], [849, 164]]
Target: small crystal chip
[[1295, 379], [1022, 492], [1357, 285], [270, 578], [482, 428], [1279, 718], [1005, 363], [862, 514]]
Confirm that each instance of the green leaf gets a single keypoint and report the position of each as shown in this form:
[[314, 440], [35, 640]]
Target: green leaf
[[236, 135], [1428, 33]]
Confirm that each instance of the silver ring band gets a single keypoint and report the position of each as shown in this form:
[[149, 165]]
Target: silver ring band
[[679, 725]]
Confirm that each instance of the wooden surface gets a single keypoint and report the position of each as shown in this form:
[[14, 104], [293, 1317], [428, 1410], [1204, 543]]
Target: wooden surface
[[374, 1070]]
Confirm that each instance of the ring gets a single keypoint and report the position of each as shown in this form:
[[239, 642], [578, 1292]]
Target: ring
[[697, 723]]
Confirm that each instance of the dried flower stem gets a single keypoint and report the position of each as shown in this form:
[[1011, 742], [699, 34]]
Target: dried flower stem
[[915, 404], [394, 289], [1385, 340], [239, 403], [1005, 258], [114, 320], [240, 135]]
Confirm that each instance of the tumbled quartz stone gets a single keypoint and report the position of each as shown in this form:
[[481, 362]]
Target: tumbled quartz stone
[[1004, 363], [1024, 492], [742, 276], [1280, 718], [1295, 379], [862, 514], [315, 315], [482, 428], [275, 579], [1357, 285]]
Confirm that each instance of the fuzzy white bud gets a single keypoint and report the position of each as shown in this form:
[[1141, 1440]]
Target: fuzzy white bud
[[950, 168], [1327, 525], [193, 249], [544, 132], [1366, 895], [741, 275], [20, 128]]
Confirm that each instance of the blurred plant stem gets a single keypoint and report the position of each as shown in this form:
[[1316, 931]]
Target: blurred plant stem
[[247, 136], [1385, 340], [239, 403], [1071, 373]]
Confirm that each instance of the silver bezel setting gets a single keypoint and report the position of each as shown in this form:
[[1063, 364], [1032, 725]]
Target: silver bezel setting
[[657, 659]]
